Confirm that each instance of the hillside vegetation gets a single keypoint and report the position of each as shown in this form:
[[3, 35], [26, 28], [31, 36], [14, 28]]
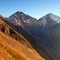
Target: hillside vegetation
[[13, 46]]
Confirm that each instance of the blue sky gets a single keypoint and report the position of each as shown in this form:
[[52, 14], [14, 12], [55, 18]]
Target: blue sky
[[34, 8]]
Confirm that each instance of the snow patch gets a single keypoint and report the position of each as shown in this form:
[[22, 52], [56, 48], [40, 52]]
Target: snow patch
[[55, 18]]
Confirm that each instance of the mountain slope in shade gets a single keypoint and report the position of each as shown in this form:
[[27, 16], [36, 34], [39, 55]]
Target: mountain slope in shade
[[46, 32], [13, 46]]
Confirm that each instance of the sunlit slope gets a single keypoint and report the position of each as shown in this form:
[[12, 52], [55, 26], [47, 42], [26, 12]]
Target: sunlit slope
[[14, 46], [10, 49]]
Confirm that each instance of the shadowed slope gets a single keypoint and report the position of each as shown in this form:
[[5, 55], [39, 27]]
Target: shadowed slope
[[45, 34]]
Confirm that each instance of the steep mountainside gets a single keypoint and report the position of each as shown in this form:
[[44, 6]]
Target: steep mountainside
[[13, 46], [45, 34]]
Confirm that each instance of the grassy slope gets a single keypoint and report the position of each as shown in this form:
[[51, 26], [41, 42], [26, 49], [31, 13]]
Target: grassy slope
[[11, 49]]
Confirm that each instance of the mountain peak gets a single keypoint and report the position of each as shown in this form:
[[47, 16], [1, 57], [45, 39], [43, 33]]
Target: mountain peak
[[18, 12], [21, 18], [50, 14], [53, 17], [49, 19]]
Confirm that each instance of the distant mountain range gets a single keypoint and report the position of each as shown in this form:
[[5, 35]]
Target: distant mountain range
[[43, 34], [20, 17]]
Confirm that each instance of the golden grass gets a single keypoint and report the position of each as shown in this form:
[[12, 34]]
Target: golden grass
[[11, 49]]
